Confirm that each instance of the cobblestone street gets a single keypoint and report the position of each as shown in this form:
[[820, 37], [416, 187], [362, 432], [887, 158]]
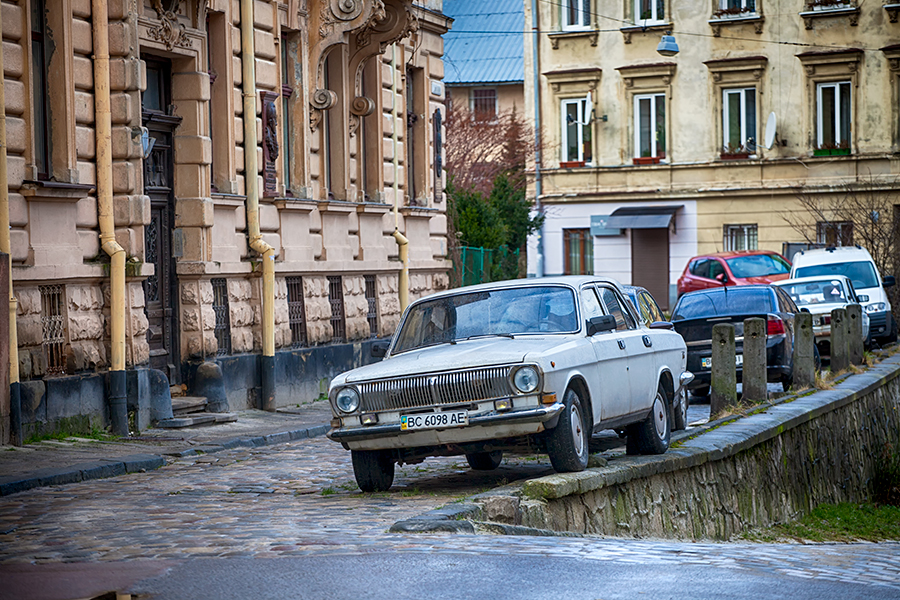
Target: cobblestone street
[[300, 499]]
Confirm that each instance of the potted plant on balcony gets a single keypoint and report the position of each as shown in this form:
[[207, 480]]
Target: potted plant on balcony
[[841, 149], [568, 164], [646, 159], [731, 152]]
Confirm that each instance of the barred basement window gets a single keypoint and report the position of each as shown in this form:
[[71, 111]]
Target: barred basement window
[[53, 324], [296, 311], [223, 317], [372, 315], [336, 298]]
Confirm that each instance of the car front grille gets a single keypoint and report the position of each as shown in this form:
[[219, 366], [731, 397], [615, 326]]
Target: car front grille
[[422, 391]]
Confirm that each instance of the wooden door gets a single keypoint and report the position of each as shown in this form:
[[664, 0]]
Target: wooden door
[[650, 262]]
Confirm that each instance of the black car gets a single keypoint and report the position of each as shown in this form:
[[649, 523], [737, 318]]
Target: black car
[[647, 308], [696, 313]]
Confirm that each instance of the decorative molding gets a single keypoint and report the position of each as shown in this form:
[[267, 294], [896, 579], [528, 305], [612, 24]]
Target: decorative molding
[[169, 31], [591, 34], [362, 106], [627, 32], [200, 11], [851, 12], [323, 99], [893, 11], [757, 20], [270, 143]]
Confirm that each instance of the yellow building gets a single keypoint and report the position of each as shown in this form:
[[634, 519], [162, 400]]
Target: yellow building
[[648, 160], [277, 278]]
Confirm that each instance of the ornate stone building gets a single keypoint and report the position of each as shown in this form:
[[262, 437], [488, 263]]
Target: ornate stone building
[[349, 99]]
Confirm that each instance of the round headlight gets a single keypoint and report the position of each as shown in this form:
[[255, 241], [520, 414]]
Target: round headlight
[[526, 379], [347, 400]]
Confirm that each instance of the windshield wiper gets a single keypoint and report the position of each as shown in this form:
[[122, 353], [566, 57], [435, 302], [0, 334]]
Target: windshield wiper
[[477, 335]]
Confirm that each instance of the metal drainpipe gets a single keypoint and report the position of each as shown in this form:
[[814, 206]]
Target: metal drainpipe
[[536, 58], [15, 397], [251, 189], [118, 407], [402, 242]]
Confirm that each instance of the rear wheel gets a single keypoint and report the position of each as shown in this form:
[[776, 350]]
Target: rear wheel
[[651, 436], [374, 469], [567, 443], [485, 461]]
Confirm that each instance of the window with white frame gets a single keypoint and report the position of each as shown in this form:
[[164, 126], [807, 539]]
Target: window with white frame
[[740, 237], [649, 11], [739, 121], [731, 8], [577, 143], [576, 14], [650, 125], [833, 115], [484, 104], [834, 233]]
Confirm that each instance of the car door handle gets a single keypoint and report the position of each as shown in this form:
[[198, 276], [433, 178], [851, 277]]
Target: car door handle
[[621, 344], [647, 341]]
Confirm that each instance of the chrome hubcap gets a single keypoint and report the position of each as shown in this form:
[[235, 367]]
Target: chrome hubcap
[[659, 416], [577, 433]]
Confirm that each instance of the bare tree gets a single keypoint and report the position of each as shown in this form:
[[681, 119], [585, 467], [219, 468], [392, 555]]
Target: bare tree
[[863, 212]]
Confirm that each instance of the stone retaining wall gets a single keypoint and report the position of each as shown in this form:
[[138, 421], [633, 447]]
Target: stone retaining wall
[[756, 471]]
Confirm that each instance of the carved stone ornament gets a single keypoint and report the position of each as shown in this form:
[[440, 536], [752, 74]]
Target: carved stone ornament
[[169, 31], [200, 12], [333, 11], [323, 99], [391, 21], [362, 106], [270, 143]]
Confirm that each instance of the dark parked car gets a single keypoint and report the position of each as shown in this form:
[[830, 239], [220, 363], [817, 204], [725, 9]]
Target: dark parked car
[[696, 313], [645, 303]]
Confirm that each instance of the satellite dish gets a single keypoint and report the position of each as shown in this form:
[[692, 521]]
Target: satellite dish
[[770, 131]]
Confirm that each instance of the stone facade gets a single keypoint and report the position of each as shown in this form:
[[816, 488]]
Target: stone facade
[[340, 88], [783, 50]]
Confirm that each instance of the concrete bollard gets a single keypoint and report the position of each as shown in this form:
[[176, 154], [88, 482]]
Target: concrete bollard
[[840, 359], [854, 334], [723, 379], [804, 351], [753, 378]]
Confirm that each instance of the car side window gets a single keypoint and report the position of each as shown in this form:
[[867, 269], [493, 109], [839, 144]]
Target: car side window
[[644, 308], [715, 269], [700, 268], [590, 303], [785, 302], [615, 307], [652, 308]]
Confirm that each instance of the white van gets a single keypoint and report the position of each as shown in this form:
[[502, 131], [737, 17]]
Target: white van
[[856, 263]]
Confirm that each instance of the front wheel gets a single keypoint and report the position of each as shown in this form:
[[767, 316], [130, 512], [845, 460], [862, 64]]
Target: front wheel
[[651, 436], [374, 469], [680, 412], [485, 461], [567, 443]]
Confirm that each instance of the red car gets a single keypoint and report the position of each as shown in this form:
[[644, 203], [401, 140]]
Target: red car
[[742, 267]]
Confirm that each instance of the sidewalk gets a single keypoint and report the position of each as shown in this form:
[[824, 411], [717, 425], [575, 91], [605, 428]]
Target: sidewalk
[[53, 462]]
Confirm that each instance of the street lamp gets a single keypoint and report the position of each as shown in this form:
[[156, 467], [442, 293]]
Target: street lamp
[[667, 45]]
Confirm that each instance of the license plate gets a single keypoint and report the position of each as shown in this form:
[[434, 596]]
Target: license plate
[[435, 420], [706, 363]]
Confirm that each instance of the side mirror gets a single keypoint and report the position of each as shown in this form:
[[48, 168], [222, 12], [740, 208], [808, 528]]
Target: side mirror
[[722, 278], [888, 281], [600, 324], [662, 325], [380, 348], [806, 310], [862, 298]]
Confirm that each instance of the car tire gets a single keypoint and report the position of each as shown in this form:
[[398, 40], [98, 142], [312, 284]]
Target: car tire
[[374, 469], [567, 443], [892, 336], [485, 461], [679, 415], [701, 392], [651, 436]]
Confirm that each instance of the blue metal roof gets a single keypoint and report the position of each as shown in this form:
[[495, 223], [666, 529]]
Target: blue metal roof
[[485, 43]]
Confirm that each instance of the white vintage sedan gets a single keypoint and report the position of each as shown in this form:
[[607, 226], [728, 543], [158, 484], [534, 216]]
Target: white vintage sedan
[[523, 365]]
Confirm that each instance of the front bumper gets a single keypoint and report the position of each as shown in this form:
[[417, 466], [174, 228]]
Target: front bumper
[[880, 324], [480, 427]]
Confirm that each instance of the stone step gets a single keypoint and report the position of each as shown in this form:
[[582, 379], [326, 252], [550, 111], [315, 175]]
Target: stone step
[[188, 404], [199, 418]]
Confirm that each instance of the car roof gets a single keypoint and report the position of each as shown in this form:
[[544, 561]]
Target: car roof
[[567, 280], [730, 289], [733, 253], [786, 282], [821, 256]]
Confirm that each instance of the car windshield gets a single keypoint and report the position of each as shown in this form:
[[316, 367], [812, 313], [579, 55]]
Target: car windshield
[[861, 273], [757, 265], [533, 309], [819, 291], [725, 301]]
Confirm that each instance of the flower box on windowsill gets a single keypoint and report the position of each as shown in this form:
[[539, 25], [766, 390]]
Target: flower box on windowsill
[[831, 152], [647, 160], [734, 155], [569, 164]]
